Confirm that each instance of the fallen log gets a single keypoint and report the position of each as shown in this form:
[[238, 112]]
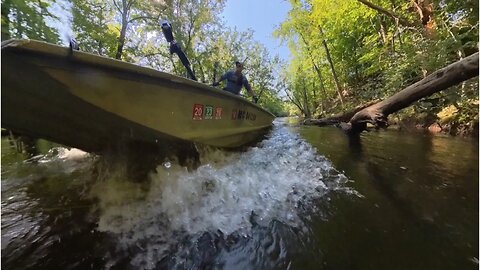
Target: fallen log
[[439, 80], [338, 118]]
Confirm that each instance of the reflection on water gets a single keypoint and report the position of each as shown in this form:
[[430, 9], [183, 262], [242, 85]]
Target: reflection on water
[[304, 198], [420, 209]]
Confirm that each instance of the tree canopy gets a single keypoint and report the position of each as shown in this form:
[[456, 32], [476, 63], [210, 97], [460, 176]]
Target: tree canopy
[[366, 50]]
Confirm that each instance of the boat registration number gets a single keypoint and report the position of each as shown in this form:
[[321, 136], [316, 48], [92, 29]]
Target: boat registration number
[[206, 112]]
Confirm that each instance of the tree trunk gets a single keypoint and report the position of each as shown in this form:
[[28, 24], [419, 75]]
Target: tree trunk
[[317, 70], [295, 101], [329, 59], [306, 106], [123, 31], [338, 118], [382, 33], [322, 87], [377, 113], [439, 80], [121, 42]]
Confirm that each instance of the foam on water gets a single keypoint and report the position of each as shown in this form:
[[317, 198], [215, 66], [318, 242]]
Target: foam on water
[[267, 183]]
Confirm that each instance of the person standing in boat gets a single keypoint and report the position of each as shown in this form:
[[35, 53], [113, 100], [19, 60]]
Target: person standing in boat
[[236, 80]]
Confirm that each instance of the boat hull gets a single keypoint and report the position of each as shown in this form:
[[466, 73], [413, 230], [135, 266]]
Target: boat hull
[[89, 102]]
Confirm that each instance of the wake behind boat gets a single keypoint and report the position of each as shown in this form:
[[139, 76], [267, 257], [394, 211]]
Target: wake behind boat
[[90, 102]]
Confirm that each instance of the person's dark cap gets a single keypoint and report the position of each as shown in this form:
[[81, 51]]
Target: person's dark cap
[[238, 63]]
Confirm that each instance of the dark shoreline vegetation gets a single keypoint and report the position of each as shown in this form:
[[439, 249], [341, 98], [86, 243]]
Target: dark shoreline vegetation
[[342, 54]]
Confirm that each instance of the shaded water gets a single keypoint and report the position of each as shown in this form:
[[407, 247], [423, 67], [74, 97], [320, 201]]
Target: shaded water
[[304, 198]]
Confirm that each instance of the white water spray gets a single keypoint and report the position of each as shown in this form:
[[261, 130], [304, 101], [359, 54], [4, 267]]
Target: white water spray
[[268, 181]]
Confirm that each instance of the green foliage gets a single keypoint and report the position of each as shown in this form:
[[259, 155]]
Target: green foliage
[[28, 19], [93, 26], [375, 55], [273, 104]]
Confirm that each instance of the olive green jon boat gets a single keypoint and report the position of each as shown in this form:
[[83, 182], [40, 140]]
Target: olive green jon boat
[[90, 102]]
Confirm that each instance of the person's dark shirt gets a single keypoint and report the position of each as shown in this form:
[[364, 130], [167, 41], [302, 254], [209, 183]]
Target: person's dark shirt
[[233, 84]]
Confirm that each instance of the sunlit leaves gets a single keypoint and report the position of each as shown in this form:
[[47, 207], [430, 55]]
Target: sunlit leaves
[[28, 19], [375, 55]]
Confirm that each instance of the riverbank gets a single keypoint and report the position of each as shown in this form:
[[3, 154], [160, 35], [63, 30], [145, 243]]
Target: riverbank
[[436, 126], [460, 120]]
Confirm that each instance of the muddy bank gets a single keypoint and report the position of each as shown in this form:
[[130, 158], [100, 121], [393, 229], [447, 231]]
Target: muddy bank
[[451, 128]]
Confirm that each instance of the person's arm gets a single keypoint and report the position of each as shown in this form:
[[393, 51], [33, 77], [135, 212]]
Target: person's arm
[[222, 78], [247, 86]]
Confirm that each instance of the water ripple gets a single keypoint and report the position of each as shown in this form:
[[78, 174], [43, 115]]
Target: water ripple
[[229, 195]]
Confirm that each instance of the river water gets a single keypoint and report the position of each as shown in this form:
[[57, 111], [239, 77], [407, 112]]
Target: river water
[[303, 198]]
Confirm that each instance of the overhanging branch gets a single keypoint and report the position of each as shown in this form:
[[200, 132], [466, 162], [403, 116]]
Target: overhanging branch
[[390, 14]]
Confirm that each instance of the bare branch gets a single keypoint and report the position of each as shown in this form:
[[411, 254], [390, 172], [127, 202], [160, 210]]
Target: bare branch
[[292, 99], [130, 3], [390, 14], [117, 6], [143, 18]]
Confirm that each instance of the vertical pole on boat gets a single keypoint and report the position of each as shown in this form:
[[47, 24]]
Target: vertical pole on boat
[[175, 48]]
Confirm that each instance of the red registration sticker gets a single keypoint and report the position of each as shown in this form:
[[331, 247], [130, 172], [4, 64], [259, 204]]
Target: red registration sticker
[[218, 113], [197, 112], [234, 114]]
